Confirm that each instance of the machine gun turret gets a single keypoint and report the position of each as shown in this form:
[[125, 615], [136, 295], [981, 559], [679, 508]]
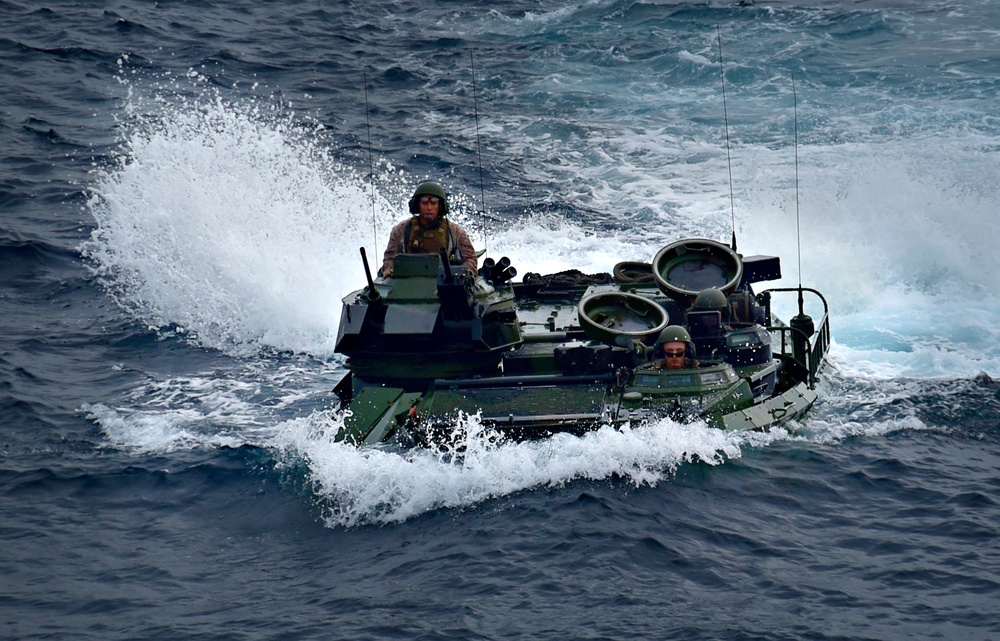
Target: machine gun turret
[[373, 295]]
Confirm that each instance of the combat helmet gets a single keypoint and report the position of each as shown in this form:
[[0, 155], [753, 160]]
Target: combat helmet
[[674, 334], [429, 188], [711, 298]]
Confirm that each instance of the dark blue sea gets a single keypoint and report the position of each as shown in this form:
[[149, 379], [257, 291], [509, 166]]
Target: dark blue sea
[[184, 188]]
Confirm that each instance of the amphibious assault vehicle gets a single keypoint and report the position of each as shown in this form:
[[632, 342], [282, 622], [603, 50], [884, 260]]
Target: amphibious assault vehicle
[[571, 352]]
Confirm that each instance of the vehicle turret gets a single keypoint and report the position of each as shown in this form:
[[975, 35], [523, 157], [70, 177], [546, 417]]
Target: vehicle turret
[[428, 320]]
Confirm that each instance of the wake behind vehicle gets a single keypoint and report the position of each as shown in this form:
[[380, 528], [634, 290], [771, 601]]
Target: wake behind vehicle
[[570, 352]]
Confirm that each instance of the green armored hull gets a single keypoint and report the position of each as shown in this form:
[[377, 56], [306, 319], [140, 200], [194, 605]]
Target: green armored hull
[[570, 352]]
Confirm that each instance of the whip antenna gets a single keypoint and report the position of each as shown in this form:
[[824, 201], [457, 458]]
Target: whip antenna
[[803, 349], [479, 153], [798, 234], [729, 157], [371, 165]]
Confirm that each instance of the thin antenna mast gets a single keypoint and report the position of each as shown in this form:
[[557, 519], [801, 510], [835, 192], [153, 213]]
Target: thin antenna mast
[[803, 349], [479, 153], [798, 235], [729, 157], [371, 166]]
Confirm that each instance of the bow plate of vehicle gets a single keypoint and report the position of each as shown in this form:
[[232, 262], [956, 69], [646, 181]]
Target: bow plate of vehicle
[[571, 352]]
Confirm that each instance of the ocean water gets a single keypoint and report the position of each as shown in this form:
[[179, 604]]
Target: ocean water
[[183, 192]]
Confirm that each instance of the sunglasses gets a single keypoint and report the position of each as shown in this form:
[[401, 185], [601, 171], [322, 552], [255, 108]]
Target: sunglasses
[[428, 199], [673, 354]]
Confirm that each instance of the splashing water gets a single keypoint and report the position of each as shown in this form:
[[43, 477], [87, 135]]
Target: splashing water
[[375, 485], [229, 221]]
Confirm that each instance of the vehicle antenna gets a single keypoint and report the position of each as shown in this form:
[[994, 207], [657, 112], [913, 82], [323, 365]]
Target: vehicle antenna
[[729, 158], [798, 235], [371, 165], [479, 153], [802, 324]]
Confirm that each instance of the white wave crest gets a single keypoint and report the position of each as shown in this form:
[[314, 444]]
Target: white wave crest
[[379, 485]]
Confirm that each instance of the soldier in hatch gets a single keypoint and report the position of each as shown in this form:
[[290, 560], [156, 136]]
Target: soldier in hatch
[[675, 347], [429, 231]]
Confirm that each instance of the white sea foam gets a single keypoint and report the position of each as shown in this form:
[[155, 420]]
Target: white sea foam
[[233, 406], [546, 245], [382, 485], [231, 222], [900, 238], [159, 431]]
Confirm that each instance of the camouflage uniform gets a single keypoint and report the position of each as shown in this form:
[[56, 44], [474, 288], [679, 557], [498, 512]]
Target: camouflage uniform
[[445, 235]]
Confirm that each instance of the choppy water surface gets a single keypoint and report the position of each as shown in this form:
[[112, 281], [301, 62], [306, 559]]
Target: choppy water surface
[[184, 190]]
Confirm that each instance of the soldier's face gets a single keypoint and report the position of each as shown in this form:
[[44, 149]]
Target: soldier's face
[[430, 206], [674, 353]]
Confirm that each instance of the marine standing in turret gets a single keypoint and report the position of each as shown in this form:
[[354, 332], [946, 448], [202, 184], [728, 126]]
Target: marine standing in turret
[[428, 231]]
